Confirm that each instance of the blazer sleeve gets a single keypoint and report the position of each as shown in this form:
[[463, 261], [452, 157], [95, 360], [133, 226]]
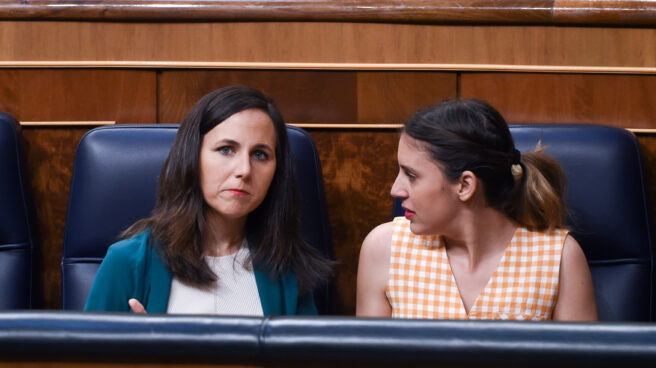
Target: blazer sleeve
[[114, 282]]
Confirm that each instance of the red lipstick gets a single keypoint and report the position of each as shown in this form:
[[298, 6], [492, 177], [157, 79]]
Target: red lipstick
[[238, 192]]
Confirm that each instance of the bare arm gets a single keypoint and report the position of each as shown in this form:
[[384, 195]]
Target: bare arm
[[372, 273], [576, 301]]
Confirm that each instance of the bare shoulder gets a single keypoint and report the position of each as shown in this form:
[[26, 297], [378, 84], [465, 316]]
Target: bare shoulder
[[572, 252], [372, 273], [576, 300], [378, 241]]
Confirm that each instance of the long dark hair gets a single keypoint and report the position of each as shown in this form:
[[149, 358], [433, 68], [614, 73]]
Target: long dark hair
[[469, 134], [272, 229]]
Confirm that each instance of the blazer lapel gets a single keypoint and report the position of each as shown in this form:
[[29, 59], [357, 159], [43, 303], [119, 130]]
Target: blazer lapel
[[270, 291], [158, 284]]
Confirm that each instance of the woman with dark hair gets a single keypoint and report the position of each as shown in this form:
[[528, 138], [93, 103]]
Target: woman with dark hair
[[483, 235], [224, 235]]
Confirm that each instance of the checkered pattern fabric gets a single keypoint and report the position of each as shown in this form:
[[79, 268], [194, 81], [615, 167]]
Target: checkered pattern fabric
[[523, 287]]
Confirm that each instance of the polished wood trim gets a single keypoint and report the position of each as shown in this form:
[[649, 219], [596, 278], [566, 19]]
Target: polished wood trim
[[353, 126], [606, 12], [637, 131], [642, 131], [348, 126], [65, 123], [599, 12], [315, 44], [327, 66]]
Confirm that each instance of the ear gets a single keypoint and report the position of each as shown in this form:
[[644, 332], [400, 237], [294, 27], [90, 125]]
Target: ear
[[467, 184]]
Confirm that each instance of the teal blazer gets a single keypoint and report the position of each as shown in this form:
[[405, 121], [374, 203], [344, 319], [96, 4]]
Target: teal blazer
[[133, 269]]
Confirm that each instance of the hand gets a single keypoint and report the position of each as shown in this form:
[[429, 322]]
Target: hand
[[136, 306]]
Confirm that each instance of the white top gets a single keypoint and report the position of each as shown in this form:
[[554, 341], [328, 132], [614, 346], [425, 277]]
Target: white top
[[235, 292]]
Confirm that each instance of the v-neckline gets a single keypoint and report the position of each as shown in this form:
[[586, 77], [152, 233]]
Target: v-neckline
[[493, 277]]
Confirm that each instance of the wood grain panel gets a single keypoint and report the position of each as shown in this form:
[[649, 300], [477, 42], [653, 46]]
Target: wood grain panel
[[126, 96], [351, 44], [392, 97], [623, 12], [301, 96], [359, 169], [620, 100], [50, 154], [607, 12]]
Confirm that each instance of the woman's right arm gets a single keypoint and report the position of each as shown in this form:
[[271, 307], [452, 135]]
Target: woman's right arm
[[113, 284], [372, 273]]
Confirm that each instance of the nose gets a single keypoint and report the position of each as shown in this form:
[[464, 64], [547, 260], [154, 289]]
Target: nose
[[243, 166], [398, 188]]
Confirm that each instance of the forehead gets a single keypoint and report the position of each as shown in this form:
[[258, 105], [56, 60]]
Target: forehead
[[413, 152], [251, 125]]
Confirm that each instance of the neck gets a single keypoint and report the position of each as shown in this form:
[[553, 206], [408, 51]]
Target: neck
[[484, 232], [223, 236]]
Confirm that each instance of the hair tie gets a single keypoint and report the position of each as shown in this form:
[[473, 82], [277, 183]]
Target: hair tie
[[517, 156]]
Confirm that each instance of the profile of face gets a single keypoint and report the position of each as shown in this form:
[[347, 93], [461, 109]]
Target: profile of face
[[237, 163], [429, 199]]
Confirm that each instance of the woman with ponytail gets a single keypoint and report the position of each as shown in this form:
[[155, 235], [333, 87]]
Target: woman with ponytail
[[483, 235]]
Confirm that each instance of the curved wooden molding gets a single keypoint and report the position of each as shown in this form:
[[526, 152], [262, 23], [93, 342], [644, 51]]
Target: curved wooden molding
[[65, 123], [356, 126], [328, 66], [595, 12], [348, 126]]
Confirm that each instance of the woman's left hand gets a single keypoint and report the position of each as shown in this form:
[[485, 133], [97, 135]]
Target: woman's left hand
[[136, 306]]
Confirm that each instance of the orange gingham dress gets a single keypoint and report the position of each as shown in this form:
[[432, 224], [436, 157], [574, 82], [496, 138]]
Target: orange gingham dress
[[523, 287]]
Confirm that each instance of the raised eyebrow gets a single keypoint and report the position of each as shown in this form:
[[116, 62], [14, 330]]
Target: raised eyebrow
[[405, 168], [263, 146], [227, 141]]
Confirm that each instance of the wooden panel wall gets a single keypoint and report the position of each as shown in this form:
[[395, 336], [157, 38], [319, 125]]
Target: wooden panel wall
[[338, 45], [322, 97], [625, 101], [302, 96]]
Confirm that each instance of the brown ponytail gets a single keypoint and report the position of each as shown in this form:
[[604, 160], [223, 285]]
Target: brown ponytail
[[537, 201]]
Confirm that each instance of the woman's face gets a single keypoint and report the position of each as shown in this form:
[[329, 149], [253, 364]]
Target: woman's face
[[237, 163], [429, 199]]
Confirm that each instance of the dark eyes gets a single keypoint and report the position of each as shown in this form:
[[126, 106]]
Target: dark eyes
[[259, 155], [410, 175], [225, 150]]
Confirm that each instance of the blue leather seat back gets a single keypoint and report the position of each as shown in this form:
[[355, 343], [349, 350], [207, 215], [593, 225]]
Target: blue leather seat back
[[607, 210], [16, 242], [115, 182]]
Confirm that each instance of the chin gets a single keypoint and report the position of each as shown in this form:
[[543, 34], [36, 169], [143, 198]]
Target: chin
[[417, 229], [230, 213], [421, 229], [236, 214]]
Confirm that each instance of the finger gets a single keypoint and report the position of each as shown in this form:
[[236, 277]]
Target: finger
[[136, 306]]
